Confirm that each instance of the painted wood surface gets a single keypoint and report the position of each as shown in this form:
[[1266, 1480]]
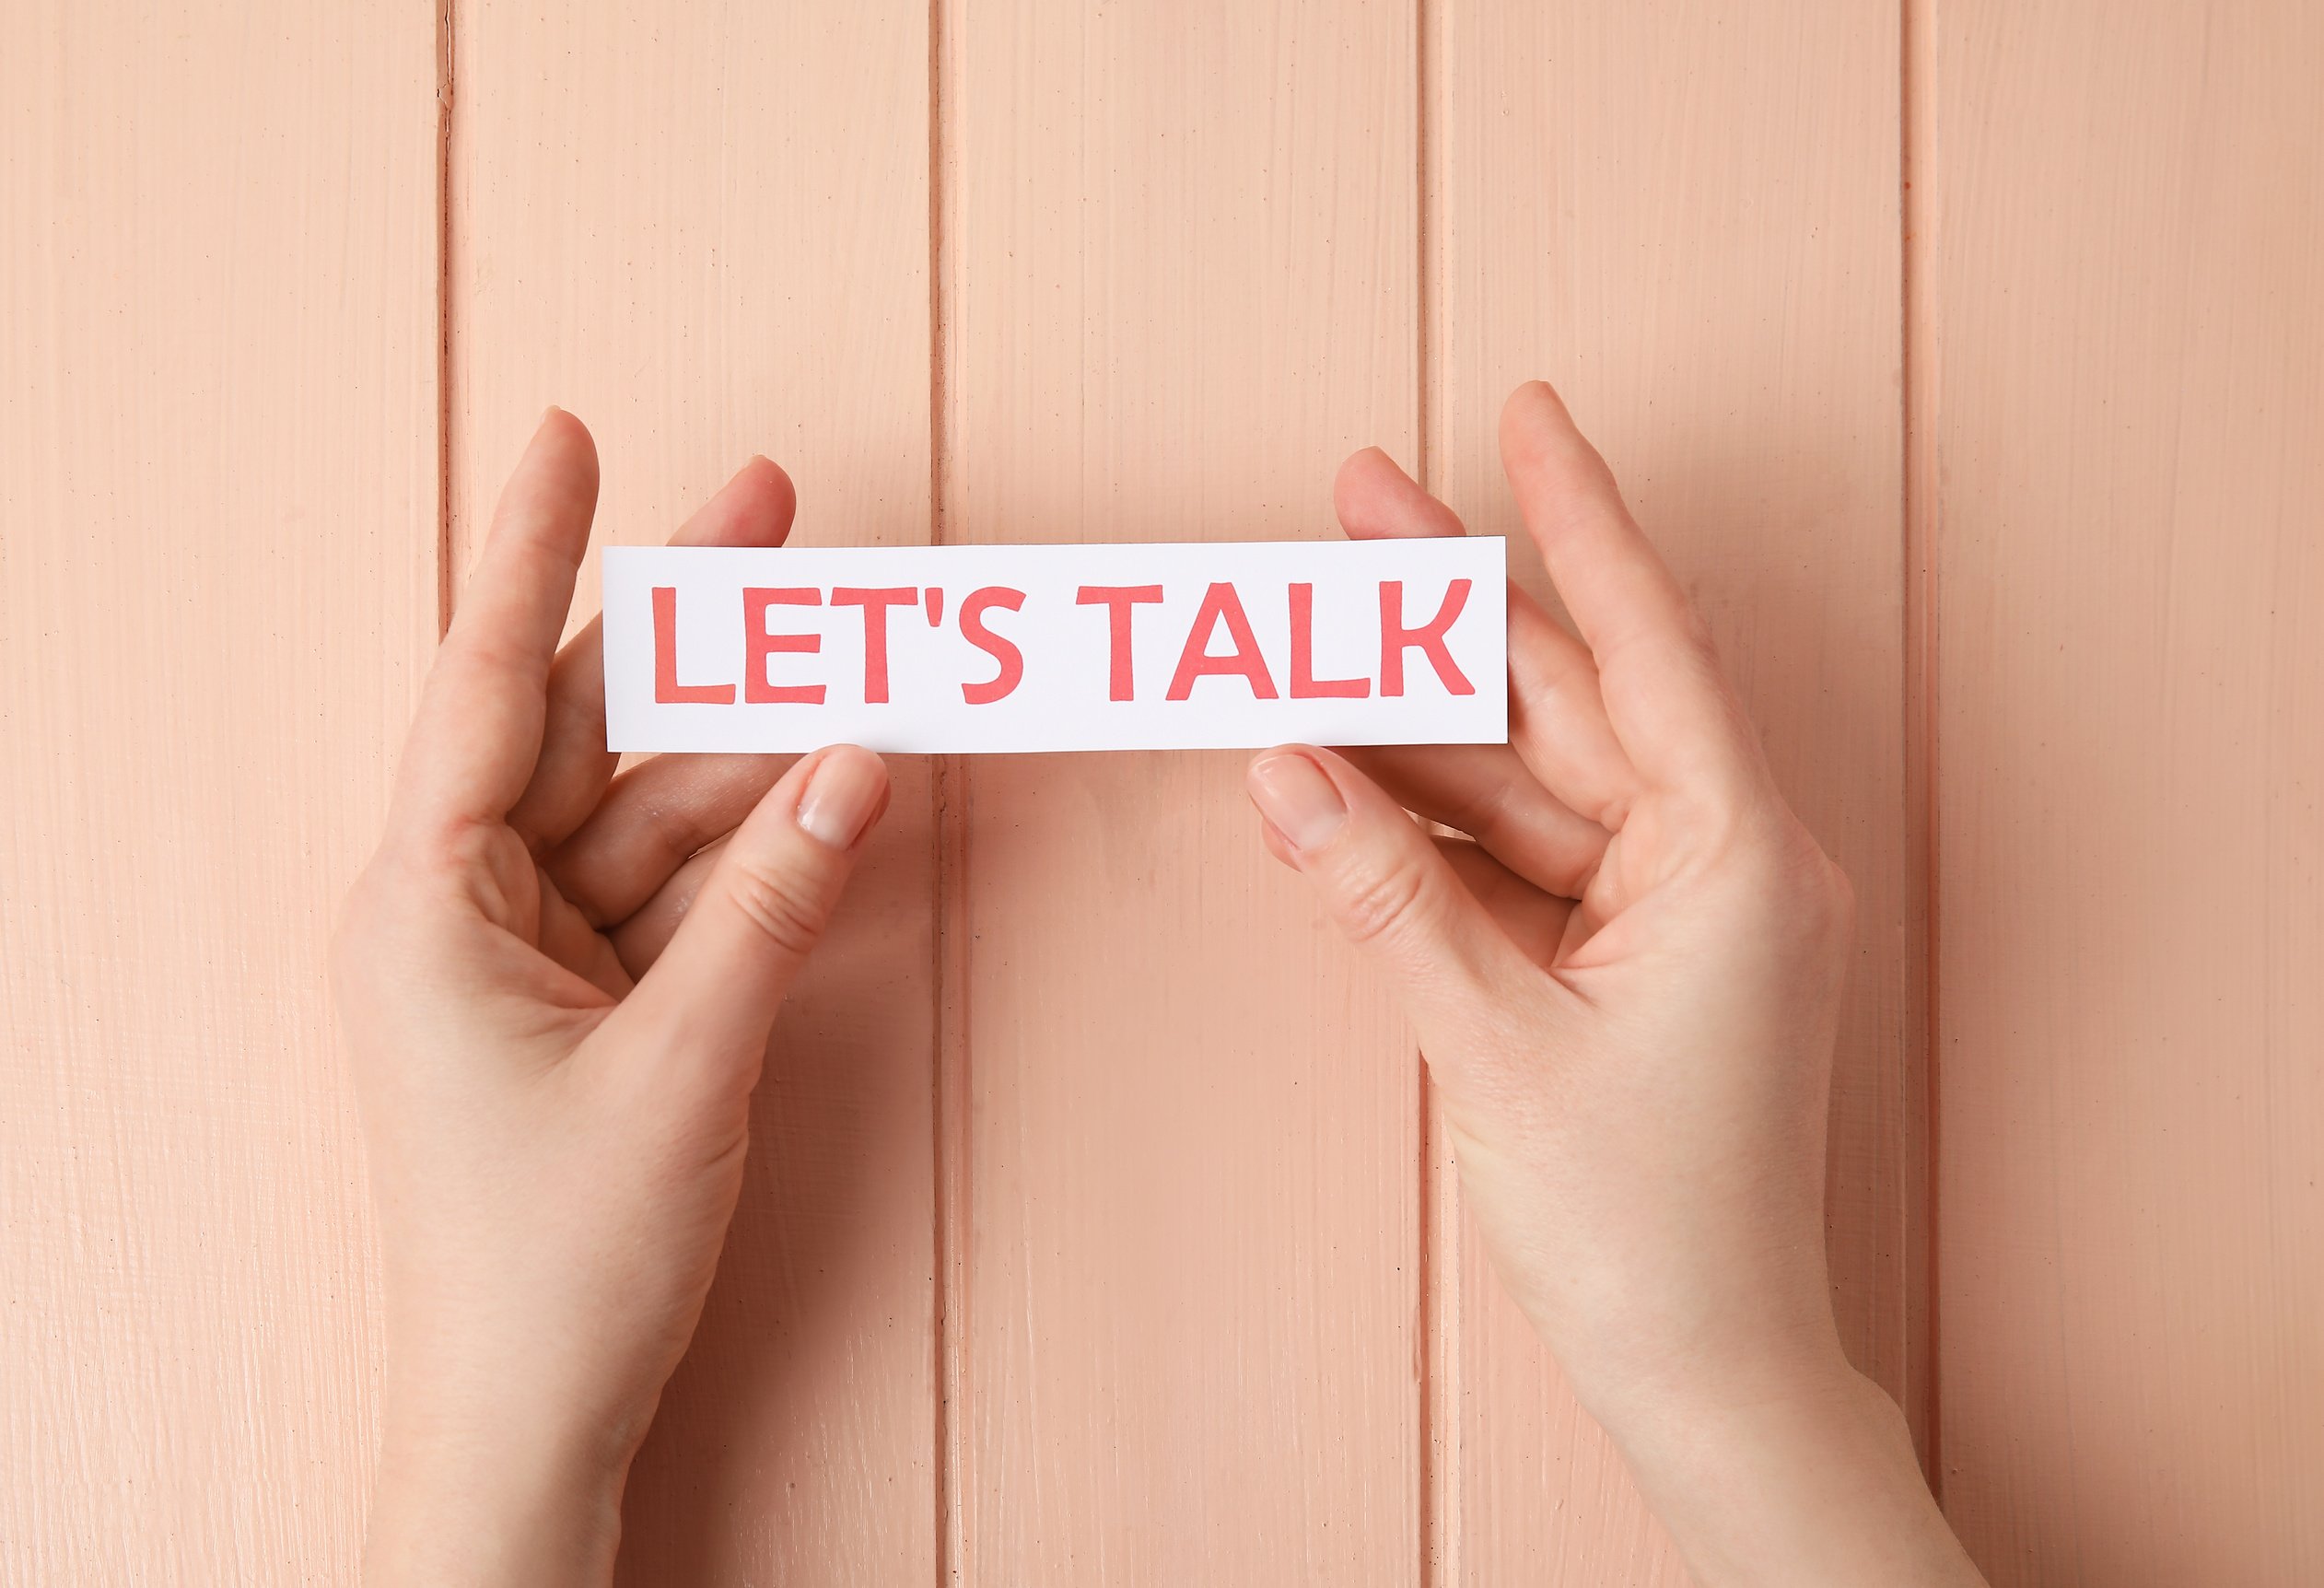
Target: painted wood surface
[[707, 235], [1179, 284], [2126, 424], [1687, 215], [218, 520], [1959, 354]]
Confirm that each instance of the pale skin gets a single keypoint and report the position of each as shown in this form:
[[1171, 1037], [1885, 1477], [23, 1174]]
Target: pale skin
[[558, 985]]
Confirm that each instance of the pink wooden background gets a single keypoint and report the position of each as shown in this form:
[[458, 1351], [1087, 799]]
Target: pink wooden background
[[1963, 353]]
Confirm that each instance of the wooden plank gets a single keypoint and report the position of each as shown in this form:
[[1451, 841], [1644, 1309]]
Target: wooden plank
[[1685, 216], [2126, 415], [706, 231], [218, 534], [1179, 286]]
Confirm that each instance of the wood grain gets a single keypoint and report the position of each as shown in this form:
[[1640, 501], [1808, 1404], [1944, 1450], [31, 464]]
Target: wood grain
[[1094, 1234], [1179, 286], [2128, 431], [706, 233], [1685, 216], [217, 511]]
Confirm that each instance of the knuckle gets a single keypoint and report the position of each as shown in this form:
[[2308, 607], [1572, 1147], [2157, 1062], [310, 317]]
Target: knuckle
[[471, 857], [1382, 899], [446, 848], [1837, 901], [781, 906], [1814, 890], [1725, 828]]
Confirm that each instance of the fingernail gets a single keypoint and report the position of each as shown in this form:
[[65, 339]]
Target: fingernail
[[1291, 791], [842, 796]]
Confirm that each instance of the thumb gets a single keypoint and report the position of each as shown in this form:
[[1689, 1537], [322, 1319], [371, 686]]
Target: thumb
[[762, 909], [1392, 893]]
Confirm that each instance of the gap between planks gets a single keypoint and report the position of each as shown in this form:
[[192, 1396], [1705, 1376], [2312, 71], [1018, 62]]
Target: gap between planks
[[1438, 1305], [949, 791], [1919, 217], [446, 582]]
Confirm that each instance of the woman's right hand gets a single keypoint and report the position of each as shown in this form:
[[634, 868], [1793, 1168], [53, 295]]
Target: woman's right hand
[[1626, 980]]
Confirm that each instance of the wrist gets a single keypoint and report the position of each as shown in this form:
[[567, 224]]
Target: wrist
[[1800, 1473], [1673, 1424], [1657, 1366], [474, 1493]]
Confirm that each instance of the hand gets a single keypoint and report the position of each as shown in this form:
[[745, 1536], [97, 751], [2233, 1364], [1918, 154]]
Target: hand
[[557, 1112], [1625, 981]]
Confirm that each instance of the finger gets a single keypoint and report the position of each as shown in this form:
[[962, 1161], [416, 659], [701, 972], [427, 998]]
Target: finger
[[639, 940], [1663, 694], [1557, 719], [754, 509], [478, 730], [1488, 792], [1557, 716], [1534, 921], [1376, 500], [711, 1000], [656, 815], [1390, 892], [574, 943]]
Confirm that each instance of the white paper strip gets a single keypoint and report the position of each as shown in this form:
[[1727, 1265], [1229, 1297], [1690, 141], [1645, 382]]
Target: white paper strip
[[1177, 646]]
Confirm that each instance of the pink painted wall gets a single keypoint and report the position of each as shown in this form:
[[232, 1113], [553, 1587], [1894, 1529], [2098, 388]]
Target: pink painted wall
[[1961, 354]]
